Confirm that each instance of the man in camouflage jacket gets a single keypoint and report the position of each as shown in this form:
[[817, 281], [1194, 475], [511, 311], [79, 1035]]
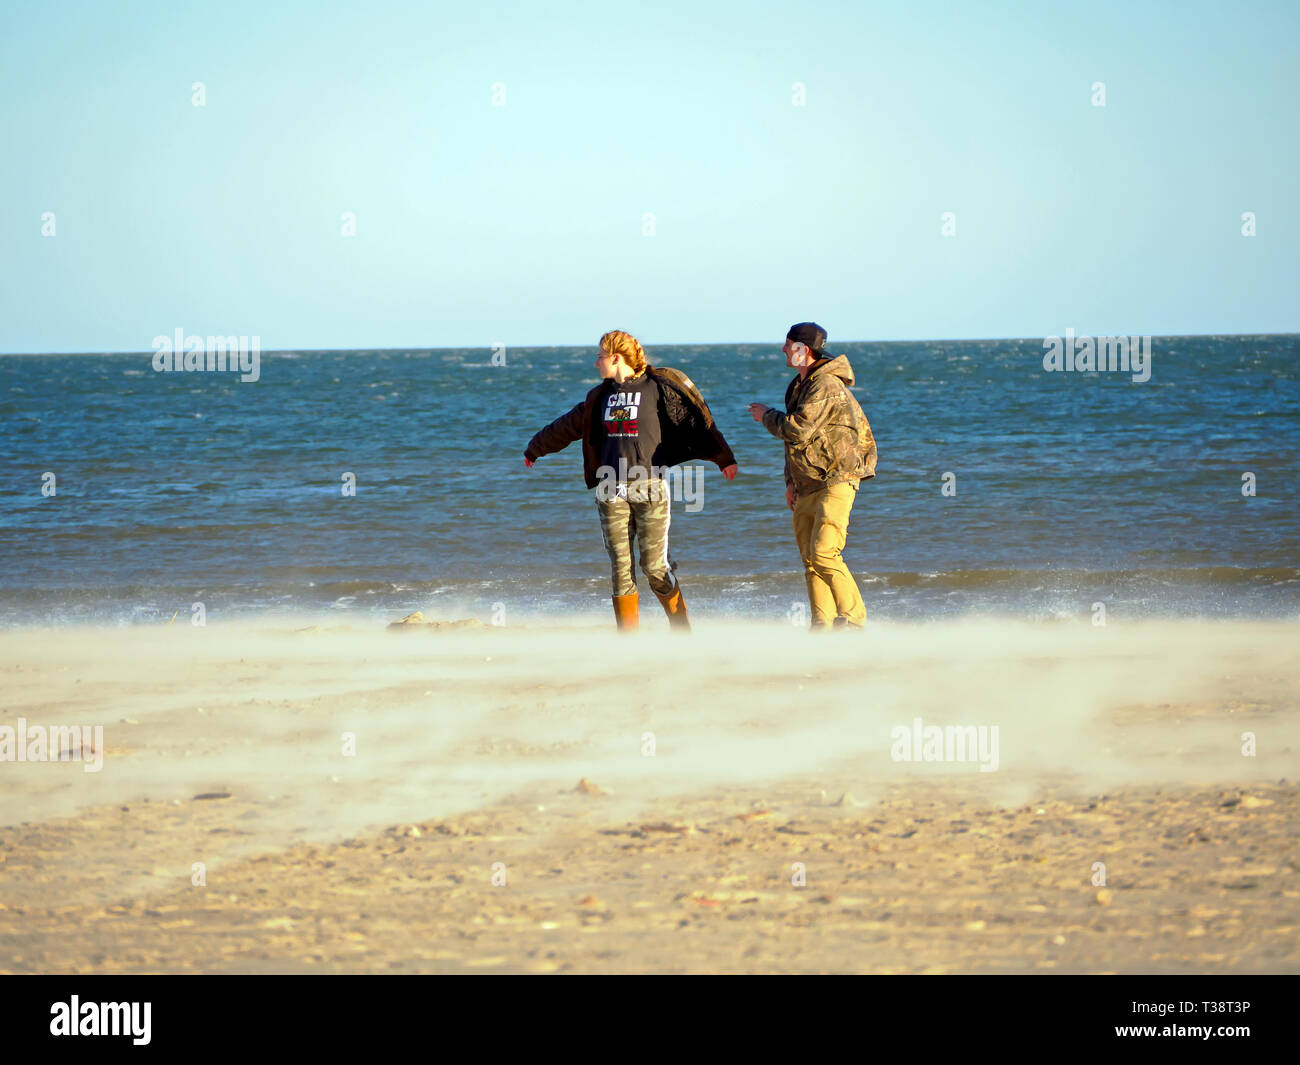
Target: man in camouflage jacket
[[829, 451]]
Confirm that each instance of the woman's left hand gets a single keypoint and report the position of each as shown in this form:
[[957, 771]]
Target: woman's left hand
[[729, 472]]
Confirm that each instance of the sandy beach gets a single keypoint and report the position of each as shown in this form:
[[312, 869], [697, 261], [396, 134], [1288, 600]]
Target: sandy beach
[[280, 798]]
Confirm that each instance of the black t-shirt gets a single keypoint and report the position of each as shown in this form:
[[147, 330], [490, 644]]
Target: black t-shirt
[[629, 414]]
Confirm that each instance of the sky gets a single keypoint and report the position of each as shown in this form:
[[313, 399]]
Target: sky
[[535, 174]]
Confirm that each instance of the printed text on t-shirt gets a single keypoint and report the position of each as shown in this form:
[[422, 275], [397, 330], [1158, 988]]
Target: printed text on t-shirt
[[621, 413]]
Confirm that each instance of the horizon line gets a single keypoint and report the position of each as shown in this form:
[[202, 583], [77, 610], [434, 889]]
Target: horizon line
[[679, 344]]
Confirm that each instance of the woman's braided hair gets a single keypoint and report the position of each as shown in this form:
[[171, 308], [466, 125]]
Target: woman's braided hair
[[625, 346]]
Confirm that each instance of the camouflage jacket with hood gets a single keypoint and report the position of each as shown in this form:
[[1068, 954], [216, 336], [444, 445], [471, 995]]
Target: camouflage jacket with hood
[[828, 439], [689, 431]]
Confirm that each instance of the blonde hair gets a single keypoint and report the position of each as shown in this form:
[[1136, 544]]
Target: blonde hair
[[625, 346]]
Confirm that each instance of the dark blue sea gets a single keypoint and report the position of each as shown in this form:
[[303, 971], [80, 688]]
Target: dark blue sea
[[1071, 488]]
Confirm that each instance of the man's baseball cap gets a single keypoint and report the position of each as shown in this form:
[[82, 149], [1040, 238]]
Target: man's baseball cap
[[810, 334]]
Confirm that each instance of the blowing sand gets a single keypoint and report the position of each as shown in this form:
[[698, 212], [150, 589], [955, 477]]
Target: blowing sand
[[354, 799]]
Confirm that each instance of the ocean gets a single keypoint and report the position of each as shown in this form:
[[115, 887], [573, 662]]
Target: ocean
[[1064, 489]]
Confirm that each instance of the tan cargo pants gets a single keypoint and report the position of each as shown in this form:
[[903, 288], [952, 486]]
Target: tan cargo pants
[[821, 524]]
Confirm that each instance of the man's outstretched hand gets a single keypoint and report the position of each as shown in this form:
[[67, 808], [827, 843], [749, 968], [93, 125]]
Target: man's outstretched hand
[[757, 410]]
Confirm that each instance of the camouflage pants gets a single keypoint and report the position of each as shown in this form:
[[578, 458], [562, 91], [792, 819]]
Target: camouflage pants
[[638, 520]]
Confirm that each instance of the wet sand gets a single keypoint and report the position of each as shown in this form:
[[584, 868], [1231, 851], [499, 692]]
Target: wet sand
[[742, 809]]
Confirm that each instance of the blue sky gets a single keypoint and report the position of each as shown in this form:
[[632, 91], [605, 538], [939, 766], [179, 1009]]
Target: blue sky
[[523, 223]]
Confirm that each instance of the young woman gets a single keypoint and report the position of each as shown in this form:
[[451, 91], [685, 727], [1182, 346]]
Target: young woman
[[637, 422]]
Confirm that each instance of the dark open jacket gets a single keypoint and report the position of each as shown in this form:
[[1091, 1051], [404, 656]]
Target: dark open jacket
[[689, 432]]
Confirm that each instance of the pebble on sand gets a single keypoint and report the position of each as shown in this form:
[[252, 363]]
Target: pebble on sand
[[417, 621]]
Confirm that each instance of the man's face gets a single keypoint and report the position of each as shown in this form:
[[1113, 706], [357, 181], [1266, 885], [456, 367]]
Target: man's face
[[794, 353]]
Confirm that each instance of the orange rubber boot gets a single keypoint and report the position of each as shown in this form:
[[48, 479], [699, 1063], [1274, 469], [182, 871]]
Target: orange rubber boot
[[625, 612], [675, 607]]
